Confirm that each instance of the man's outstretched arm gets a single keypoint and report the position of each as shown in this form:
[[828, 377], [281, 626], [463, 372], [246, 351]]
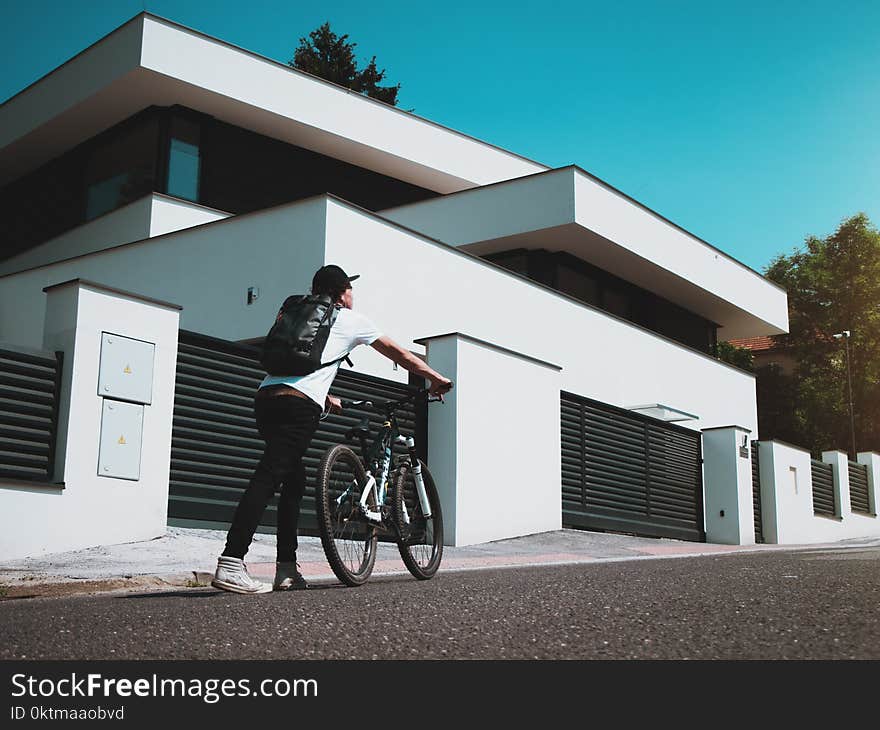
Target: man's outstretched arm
[[403, 357]]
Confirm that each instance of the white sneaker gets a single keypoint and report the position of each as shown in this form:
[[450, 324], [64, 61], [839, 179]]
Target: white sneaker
[[232, 575]]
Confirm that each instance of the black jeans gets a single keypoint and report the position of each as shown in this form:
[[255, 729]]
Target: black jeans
[[287, 425]]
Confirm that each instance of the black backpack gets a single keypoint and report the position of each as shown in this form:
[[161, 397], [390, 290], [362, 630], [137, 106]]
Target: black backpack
[[296, 341]]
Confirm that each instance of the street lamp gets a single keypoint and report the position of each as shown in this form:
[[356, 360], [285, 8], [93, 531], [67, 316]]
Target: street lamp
[[845, 335]]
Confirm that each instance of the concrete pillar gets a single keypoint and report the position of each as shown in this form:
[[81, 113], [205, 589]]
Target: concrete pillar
[[871, 459], [839, 461], [727, 485], [98, 506], [494, 446]]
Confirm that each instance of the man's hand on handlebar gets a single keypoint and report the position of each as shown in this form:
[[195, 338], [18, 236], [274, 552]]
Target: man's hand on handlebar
[[440, 386], [332, 404]]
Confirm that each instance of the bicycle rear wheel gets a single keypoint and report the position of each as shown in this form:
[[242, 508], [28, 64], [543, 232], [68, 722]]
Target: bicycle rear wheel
[[349, 539], [421, 539]]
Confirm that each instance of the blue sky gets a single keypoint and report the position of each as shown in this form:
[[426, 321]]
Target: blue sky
[[751, 124]]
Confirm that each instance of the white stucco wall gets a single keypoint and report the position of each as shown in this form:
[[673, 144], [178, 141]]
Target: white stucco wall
[[92, 509], [173, 214], [413, 287], [494, 444], [523, 205], [207, 270], [787, 497], [150, 216], [569, 210], [651, 237], [129, 223]]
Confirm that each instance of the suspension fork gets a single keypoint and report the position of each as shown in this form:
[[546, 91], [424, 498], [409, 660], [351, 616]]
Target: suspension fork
[[419, 480]]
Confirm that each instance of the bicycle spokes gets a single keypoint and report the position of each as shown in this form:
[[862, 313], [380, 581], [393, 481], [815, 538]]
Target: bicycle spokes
[[351, 537]]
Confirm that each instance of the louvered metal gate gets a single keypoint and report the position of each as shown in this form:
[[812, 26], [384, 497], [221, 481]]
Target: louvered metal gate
[[858, 487], [215, 445], [823, 488], [625, 472], [30, 384], [756, 493]]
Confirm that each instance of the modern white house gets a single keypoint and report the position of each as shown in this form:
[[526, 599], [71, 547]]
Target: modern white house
[[164, 191]]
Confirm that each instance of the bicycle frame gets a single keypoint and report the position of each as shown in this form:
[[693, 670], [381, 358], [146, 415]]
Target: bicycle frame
[[377, 460]]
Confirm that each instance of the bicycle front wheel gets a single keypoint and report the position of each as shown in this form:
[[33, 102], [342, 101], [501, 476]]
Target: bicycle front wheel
[[349, 539], [421, 538]]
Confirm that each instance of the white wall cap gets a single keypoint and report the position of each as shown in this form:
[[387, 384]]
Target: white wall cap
[[718, 428], [490, 345], [104, 289], [787, 445]]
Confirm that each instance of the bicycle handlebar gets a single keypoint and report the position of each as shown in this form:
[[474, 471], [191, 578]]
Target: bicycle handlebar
[[392, 404]]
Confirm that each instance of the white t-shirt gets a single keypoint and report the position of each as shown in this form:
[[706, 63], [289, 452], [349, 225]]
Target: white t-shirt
[[348, 331]]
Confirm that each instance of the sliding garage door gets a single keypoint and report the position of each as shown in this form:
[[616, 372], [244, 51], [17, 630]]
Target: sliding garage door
[[625, 472]]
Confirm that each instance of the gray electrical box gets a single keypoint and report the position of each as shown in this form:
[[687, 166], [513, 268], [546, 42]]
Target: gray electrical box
[[126, 368], [121, 431]]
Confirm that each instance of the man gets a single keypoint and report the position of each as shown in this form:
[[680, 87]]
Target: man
[[287, 410]]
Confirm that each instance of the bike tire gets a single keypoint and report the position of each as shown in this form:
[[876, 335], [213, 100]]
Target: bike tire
[[349, 540], [421, 541]]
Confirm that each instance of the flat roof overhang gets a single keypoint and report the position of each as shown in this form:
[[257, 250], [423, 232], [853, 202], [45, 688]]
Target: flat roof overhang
[[153, 61], [570, 210]]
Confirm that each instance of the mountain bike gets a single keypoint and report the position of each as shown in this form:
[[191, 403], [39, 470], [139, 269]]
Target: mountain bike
[[360, 499]]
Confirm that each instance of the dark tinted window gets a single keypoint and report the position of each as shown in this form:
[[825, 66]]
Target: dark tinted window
[[188, 155], [109, 170], [184, 158], [121, 167], [578, 284], [592, 285], [243, 171]]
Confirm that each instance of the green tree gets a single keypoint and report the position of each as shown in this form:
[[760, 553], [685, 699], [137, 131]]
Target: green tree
[[833, 285], [332, 57], [740, 356]]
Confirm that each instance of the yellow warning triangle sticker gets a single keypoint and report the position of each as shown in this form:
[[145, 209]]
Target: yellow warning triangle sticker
[[121, 440], [127, 370]]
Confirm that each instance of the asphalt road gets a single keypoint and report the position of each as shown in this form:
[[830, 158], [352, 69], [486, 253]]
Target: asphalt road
[[819, 604]]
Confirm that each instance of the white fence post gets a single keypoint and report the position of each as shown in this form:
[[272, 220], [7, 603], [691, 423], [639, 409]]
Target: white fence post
[[871, 459], [839, 461], [115, 472], [494, 447], [727, 483]]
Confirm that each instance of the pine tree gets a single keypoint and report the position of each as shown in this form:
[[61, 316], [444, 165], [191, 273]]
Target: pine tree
[[332, 58]]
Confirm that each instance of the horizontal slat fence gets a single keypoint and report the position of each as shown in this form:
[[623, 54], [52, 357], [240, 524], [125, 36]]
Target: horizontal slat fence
[[823, 488], [858, 488], [626, 472], [215, 445], [30, 385], [756, 494]]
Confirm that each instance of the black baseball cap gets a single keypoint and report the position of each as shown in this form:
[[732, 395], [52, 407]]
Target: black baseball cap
[[331, 279]]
